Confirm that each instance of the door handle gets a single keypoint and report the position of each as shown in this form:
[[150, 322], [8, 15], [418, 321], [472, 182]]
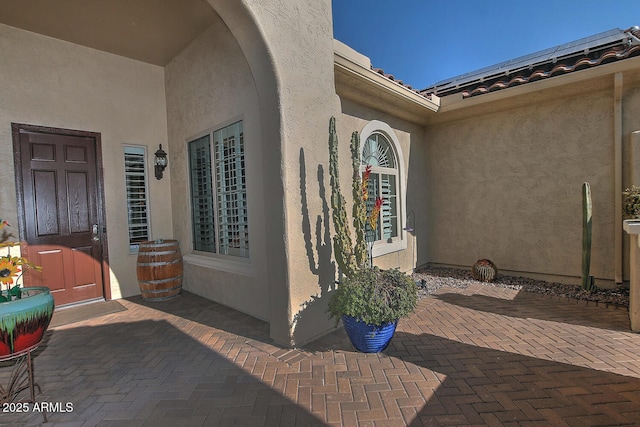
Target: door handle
[[94, 233]]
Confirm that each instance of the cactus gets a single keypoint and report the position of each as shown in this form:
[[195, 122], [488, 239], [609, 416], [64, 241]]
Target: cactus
[[484, 270], [359, 206], [588, 282], [342, 240], [349, 258]]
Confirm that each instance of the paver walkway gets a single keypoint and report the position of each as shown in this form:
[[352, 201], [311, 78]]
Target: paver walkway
[[479, 356]]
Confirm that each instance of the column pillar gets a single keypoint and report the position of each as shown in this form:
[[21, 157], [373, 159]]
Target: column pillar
[[632, 227]]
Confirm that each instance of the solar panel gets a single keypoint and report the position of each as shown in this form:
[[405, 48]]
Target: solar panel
[[611, 37]]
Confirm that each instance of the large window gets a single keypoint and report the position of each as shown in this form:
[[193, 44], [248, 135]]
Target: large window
[[137, 201], [381, 155], [218, 192]]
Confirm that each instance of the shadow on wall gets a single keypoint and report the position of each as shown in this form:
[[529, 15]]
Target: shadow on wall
[[318, 249]]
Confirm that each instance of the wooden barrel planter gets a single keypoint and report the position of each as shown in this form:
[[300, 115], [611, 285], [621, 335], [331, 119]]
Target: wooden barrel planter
[[159, 270]]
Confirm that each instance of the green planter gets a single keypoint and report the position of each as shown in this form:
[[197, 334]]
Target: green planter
[[24, 321]]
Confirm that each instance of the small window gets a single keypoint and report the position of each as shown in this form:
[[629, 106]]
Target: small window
[[218, 192], [137, 200], [382, 154], [378, 154]]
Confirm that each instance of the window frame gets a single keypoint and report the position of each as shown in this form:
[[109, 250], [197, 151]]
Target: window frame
[[398, 243], [211, 200], [217, 260], [133, 247]]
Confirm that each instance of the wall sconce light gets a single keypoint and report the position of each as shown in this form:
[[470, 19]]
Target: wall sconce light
[[160, 162]]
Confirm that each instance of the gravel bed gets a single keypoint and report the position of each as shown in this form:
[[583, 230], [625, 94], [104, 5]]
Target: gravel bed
[[431, 279]]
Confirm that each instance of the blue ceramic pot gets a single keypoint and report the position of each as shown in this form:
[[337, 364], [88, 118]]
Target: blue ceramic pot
[[24, 321], [368, 338]]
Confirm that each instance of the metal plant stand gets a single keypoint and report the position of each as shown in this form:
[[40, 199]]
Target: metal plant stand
[[21, 379]]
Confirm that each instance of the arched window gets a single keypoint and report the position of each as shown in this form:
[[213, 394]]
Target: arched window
[[381, 152]]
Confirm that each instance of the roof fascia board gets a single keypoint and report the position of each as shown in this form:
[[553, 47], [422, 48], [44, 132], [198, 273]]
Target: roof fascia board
[[357, 65], [455, 101]]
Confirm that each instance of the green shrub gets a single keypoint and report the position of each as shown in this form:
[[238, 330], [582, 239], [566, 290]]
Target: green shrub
[[374, 296], [632, 202]]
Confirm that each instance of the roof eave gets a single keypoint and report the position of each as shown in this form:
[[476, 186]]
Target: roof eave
[[456, 101], [356, 80]]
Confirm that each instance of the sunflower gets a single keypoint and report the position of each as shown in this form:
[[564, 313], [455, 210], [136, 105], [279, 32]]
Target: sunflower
[[8, 270]]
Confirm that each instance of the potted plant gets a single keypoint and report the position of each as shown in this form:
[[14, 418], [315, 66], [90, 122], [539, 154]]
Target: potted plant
[[369, 301], [25, 313]]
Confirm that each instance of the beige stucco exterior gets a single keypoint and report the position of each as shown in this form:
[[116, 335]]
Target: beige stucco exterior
[[248, 65], [48, 82], [495, 176], [504, 176], [356, 117], [208, 86]]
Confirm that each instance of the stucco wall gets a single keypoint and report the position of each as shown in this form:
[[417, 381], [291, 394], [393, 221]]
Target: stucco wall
[[631, 125], [355, 117], [47, 82], [630, 137], [507, 186], [210, 85], [298, 36], [274, 66]]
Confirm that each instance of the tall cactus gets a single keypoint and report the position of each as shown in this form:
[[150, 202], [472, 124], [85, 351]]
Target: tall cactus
[[588, 281], [359, 206], [349, 258], [342, 245]]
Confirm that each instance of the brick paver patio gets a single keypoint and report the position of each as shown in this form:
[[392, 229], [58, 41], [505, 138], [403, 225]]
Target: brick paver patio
[[479, 356]]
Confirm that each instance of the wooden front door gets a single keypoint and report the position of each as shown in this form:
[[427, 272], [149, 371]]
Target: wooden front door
[[60, 210]]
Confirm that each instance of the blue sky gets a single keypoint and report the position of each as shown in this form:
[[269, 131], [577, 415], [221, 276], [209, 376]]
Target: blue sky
[[424, 41]]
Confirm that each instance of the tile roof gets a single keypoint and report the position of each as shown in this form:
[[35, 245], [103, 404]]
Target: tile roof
[[589, 52], [400, 82]]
